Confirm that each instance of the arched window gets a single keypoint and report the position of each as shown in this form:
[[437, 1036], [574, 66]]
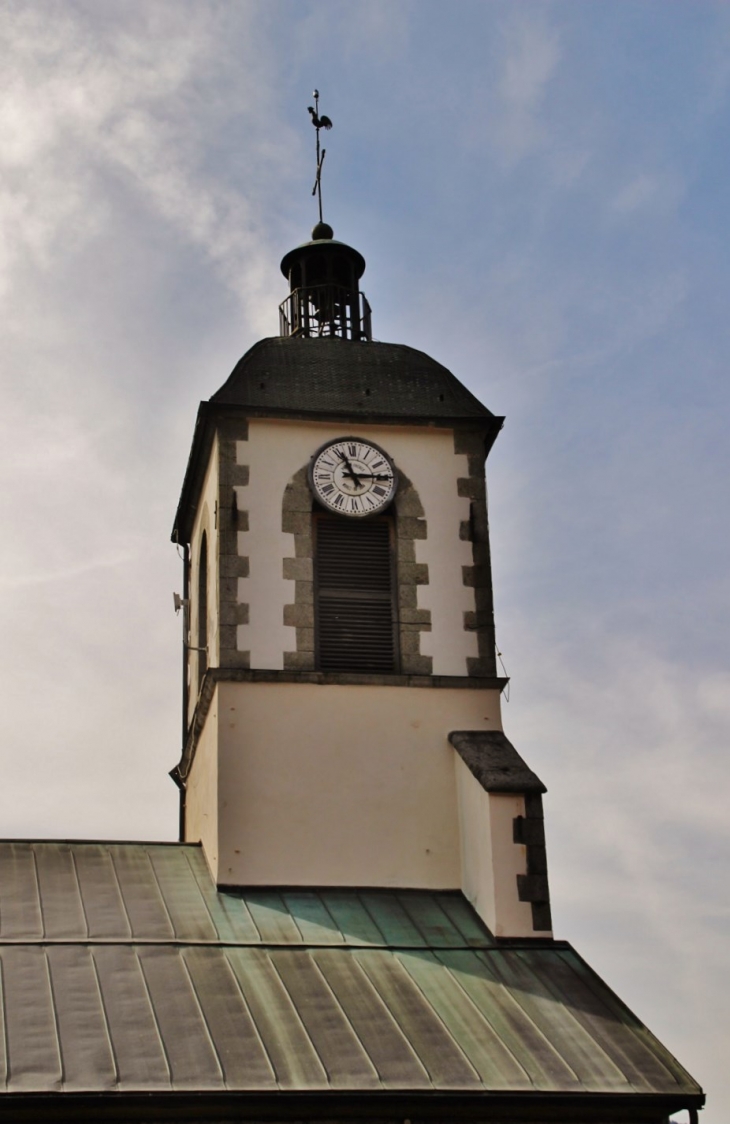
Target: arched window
[[354, 593], [202, 644]]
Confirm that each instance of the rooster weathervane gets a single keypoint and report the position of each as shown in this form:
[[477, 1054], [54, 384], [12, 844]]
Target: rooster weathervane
[[322, 122]]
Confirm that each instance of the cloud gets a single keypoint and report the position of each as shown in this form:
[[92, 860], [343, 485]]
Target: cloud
[[632, 748], [530, 58], [655, 191], [637, 193], [376, 30], [92, 101], [119, 177], [51, 577]]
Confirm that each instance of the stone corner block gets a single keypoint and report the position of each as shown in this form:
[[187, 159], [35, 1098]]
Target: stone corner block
[[298, 569], [231, 657], [416, 664], [298, 661], [299, 616]]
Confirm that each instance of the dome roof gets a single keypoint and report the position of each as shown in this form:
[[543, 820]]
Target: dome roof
[[334, 376], [323, 245]]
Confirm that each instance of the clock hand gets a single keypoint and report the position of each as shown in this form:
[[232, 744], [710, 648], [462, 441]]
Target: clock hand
[[345, 458], [350, 471], [363, 475]]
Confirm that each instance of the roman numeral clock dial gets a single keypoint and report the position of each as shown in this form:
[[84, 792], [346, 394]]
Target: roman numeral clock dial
[[353, 477]]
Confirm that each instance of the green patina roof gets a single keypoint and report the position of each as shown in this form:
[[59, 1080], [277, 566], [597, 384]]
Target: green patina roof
[[124, 970]]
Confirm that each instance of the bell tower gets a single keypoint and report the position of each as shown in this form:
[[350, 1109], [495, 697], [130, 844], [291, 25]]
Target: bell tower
[[342, 704]]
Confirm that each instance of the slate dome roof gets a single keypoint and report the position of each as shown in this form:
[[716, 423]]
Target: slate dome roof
[[333, 376]]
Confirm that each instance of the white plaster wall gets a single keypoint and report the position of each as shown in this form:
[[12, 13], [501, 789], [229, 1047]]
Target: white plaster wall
[[265, 590], [514, 918], [274, 452], [204, 521], [490, 859], [342, 785], [201, 798], [477, 872], [434, 469]]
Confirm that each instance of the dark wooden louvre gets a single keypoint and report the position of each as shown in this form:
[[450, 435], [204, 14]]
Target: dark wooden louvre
[[354, 593]]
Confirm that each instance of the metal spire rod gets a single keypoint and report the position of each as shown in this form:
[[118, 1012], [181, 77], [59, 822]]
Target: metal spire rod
[[319, 123]]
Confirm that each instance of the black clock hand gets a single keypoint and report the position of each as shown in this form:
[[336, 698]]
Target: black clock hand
[[363, 475], [350, 471]]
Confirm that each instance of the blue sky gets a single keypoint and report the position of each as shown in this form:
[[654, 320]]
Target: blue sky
[[540, 191]]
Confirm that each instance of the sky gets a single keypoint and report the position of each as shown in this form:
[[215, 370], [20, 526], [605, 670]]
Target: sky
[[540, 189]]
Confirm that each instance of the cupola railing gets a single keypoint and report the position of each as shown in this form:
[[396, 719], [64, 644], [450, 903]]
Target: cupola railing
[[326, 310]]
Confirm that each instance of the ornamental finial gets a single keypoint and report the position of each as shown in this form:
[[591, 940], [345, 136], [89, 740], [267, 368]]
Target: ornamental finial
[[319, 123]]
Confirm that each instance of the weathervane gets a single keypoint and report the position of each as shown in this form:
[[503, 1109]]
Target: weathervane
[[319, 123]]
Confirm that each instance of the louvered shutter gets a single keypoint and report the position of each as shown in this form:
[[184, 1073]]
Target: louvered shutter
[[355, 621]]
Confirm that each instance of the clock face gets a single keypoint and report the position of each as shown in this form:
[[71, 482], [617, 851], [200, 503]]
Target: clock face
[[353, 477]]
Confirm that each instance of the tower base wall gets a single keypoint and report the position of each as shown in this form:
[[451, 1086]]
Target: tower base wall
[[332, 785]]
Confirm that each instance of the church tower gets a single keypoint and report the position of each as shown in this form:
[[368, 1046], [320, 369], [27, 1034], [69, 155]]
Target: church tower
[[342, 704]]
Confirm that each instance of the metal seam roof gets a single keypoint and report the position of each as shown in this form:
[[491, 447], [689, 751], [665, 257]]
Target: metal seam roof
[[147, 892], [123, 969]]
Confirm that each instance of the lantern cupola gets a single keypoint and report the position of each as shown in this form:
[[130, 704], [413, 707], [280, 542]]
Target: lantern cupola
[[324, 290]]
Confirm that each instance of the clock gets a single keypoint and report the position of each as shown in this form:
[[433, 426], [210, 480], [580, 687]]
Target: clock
[[353, 477]]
